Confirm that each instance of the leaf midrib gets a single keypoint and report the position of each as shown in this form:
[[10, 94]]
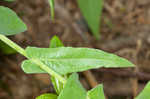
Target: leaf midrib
[[55, 59]]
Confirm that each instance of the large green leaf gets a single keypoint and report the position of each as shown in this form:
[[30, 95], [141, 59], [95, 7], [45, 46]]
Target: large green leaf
[[145, 94], [10, 23], [92, 10], [73, 89], [47, 96], [64, 60], [96, 93]]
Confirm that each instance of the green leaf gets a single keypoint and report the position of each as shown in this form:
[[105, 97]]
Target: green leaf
[[29, 67], [47, 96], [10, 23], [5, 49], [145, 94], [51, 3], [96, 93], [64, 60], [56, 42], [73, 89], [92, 10]]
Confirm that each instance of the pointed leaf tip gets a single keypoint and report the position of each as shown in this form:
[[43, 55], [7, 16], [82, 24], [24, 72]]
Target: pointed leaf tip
[[55, 42]]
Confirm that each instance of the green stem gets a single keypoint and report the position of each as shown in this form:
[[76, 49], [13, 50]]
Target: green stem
[[36, 61], [51, 72], [51, 3], [13, 45]]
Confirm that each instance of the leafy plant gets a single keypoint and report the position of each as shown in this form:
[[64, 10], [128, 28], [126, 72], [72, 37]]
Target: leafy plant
[[61, 63]]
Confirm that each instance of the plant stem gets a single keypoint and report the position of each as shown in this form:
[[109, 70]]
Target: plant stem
[[13, 45], [51, 72], [51, 3], [36, 61]]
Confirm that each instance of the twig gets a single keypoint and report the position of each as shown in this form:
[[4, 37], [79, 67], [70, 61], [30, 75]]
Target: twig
[[90, 78]]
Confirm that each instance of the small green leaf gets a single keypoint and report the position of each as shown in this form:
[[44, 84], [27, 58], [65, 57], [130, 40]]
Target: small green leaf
[[5, 49], [96, 93], [47, 96], [10, 23], [73, 89], [51, 3], [145, 94], [56, 42], [64, 60], [92, 10]]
